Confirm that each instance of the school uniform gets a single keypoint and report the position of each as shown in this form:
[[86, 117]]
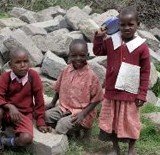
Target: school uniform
[[77, 89], [26, 94], [119, 114]]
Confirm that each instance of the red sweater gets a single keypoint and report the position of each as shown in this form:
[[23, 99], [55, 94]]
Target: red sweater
[[140, 56], [21, 96]]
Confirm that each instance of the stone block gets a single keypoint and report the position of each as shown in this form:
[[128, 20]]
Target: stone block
[[19, 39]]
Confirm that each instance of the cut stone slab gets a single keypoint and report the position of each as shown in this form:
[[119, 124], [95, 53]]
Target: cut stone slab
[[88, 27], [49, 143], [152, 41], [52, 11], [19, 39], [94, 15], [11, 23], [33, 30], [87, 9], [40, 42], [153, 76], [154, 117], [59, 44], [99, 70], [52, 65], [155, 57], [104, 16], [49, 26], [74, 15], [151, 98], [17, 12]]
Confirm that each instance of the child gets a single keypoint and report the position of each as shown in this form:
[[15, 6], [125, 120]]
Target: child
[[17, 89], [78, 90], [128, 69]]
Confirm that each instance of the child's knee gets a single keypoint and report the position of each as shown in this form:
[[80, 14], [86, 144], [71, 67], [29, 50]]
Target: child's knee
[[25, 139], [47, 116]]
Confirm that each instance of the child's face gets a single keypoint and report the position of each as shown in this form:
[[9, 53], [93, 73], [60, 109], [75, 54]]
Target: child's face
[[78, 56], [128, 26], [20, 64]]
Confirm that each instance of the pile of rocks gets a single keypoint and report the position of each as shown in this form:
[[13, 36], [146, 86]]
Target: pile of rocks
[[46, 35]]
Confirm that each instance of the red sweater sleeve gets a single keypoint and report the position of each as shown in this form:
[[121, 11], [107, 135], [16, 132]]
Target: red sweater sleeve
[[4, 80], [144, 73], [38, 98], [99, 46]]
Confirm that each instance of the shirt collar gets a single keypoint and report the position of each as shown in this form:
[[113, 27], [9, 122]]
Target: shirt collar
[[79, 71], [23, 80], [131, 45]]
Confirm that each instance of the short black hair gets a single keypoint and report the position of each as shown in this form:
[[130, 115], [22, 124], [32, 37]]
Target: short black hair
[[13, 53], [78, 41], [129, 10]]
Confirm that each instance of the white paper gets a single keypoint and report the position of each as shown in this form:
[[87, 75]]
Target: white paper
[[128, 78]]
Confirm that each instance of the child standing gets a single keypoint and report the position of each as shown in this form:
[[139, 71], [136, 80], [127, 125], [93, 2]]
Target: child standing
[[78, 90], [127, 79], [17, 89]]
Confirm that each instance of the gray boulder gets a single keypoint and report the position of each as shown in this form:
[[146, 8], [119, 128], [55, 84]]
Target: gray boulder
[[153, 76], [19, 39], [99, 70], [88, 27], [4, 34], [152, 41], [75, 35], [59, 44], [52, 11], [103, 17], [59, 32], [158, 103], [49, 26], [11, 23], [87, 9], [102, 60], [52, 65], [151, 98], [74, 15], [33, 30], [40, 42], [49, 143], [155, 56], [17, 12], [156, 32]]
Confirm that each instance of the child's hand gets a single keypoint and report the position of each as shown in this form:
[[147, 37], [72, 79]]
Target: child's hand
[[44, 129], [76, 119], [139, 103], [15, 115], [101, 32]]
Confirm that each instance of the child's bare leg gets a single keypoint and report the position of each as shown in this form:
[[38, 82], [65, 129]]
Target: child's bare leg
[[131, 149]]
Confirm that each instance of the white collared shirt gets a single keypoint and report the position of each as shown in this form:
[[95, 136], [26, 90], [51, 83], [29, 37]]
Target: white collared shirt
[[23, 80]]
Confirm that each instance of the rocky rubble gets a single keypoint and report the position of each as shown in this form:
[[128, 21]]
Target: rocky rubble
[[46, 35]]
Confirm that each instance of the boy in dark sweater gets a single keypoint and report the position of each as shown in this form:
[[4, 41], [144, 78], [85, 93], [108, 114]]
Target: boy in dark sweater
[[17, 89]]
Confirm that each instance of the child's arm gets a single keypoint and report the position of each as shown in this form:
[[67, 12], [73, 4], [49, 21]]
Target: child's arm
[[96, 95], [99, 48], [53, 102], [144, 76], [76, 119]]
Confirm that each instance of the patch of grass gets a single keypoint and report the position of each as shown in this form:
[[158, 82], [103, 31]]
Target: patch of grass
[[3, 15], [148, 108]]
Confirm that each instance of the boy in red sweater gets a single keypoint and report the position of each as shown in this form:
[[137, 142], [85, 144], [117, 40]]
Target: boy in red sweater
[[127, 79], [17, 89]]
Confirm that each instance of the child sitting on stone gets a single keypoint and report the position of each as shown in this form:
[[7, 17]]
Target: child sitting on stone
[[17, 89], [78, 90]]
